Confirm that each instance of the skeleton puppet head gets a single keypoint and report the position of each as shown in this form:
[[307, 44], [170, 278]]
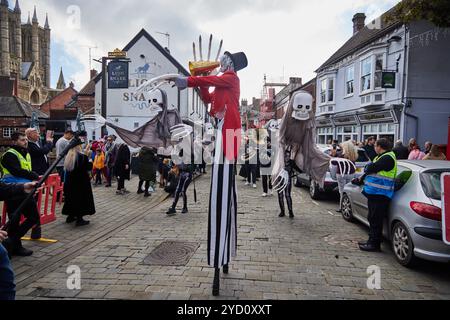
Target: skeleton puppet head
[[302, 106], [158, 101]]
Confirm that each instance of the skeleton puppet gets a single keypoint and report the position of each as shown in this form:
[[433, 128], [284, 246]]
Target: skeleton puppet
[[297, 146]]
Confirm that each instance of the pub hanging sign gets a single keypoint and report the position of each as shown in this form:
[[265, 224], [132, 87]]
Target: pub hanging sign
[[118, 76], [388, 80]]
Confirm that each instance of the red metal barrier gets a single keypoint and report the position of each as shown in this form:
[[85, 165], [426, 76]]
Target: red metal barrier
[[47, 196]]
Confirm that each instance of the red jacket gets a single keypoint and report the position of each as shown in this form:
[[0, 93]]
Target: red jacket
[[227, 93]]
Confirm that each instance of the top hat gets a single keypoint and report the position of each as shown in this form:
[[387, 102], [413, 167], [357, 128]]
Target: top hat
[[239, 60]]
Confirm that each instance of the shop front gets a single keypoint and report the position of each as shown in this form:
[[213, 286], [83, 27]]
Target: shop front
[[381, 124], [346, 128]]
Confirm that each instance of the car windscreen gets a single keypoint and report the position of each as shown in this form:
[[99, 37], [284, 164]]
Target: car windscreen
[[431, 183]]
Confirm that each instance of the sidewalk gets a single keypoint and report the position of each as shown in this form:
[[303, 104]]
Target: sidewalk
[[314, 256]]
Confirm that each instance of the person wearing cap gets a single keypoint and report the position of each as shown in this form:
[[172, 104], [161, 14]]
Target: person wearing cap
[[224, 100]]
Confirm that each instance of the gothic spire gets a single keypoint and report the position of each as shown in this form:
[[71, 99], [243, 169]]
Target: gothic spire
[[29, 18], [35, 19], [47, 26], [17, 7], [61, 85], [4, 3]]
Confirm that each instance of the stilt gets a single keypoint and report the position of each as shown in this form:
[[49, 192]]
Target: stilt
[[216, 284], [225, 269]]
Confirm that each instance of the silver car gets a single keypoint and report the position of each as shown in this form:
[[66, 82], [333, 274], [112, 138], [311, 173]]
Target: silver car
[[414, 222]]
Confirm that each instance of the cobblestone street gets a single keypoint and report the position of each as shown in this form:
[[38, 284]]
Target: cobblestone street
[[314, 256]]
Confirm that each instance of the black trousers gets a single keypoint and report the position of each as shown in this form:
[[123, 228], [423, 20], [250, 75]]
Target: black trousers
[[141, 184], [183, 185], [16, 230], [267, 183], [120, 183], [252, 173], [378, 210]]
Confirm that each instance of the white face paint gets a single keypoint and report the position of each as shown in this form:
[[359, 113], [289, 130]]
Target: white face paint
[[303, 103], [156, 102], [226, 63], [273, 125]]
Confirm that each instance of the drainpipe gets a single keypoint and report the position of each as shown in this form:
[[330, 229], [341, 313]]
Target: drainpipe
[[407, 104]]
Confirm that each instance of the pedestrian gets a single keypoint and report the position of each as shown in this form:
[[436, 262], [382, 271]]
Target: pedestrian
[[428, 146], [370, 148], [251, 163], [266, 169], [61, 145], [344, 169], [411, 144], [7, 284], [185, 179], [98, 166], [435, 154], [416, 153], [401, 152], [379, 187], [122, 168], [110, 158], [38, 151], [17, 168], [148, 165], [79, 200]]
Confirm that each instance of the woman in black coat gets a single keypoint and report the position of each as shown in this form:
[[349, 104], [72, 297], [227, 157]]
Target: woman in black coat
[[79, 200], [122, 168]]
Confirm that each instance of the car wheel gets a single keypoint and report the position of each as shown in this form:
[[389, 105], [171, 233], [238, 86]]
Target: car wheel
[[314, 190], [347, 211], [402, 245]]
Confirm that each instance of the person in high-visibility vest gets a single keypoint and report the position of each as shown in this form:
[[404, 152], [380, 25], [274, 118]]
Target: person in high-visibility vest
[[16, 167], [379, 188]]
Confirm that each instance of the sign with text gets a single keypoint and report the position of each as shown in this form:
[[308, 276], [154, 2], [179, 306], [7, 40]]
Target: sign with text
[[118, 75], [445, 187]]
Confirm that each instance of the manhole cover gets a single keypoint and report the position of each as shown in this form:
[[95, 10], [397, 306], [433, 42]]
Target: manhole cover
[[343, 241], [172, 253]]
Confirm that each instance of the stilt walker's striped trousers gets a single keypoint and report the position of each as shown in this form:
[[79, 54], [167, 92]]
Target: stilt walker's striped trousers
[[222, 222]]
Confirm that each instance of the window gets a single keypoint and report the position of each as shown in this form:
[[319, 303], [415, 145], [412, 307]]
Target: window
[[7, 132], [347, 133], [136, 125], [330, 90], [378, 70], [366, 74], [380, 131], [403, 176], [324, 135], [350, 80], [327, 90], [323, 91]]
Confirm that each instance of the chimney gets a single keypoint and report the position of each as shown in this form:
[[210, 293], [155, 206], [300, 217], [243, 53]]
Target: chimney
[[244, 103], [359, 21], [294, 80], [94, 73]]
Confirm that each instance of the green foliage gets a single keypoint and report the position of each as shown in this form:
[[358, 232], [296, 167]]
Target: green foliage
[[435, 11]]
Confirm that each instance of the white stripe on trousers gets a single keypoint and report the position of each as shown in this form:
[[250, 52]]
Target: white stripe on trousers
[[222, 221]]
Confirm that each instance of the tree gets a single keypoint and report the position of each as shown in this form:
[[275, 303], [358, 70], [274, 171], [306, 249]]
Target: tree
[[435, 11]]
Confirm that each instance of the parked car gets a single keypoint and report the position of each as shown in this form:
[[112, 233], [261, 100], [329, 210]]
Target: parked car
[[414, 222], [330, 184]]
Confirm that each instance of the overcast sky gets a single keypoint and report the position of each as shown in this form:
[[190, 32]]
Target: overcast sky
[[289, 38]]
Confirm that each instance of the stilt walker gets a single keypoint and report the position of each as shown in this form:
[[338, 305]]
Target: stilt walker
[[224, 100]]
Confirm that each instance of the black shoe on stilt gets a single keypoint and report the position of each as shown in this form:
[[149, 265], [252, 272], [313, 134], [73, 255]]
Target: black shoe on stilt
[[282, 215], [171, 212], [36, 233], [216, 284], [185, 210], [225, 269], [291, 215]]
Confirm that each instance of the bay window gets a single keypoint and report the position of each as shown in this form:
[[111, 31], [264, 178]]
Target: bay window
[[378, 71], [327, 90]]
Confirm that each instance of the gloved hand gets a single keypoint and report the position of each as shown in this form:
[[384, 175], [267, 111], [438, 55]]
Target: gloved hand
[[181, 82]]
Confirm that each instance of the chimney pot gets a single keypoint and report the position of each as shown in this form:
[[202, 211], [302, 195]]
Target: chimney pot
[[359, 21]]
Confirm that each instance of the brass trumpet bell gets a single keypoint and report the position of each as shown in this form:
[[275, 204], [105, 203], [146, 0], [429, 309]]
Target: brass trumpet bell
[[202, 67]]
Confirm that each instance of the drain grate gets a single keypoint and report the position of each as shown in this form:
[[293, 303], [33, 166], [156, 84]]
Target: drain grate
[[172, 253]]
